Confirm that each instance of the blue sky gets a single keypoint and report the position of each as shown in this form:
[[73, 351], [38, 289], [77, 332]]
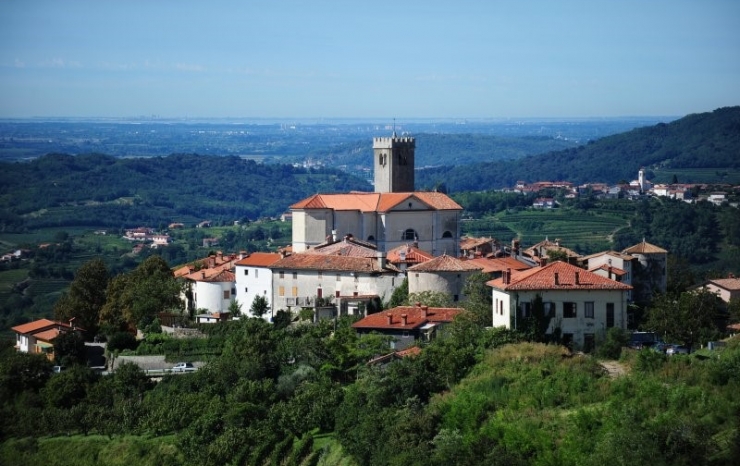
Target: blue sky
[[378, 59]]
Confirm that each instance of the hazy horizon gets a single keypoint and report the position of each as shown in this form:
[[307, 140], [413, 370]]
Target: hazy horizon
[[332, 60]]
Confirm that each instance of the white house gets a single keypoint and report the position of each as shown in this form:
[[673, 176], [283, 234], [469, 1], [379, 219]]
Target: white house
[[254, 278], [612, 265], [305, 280], [213, 292], [582, 305], [38, 337]]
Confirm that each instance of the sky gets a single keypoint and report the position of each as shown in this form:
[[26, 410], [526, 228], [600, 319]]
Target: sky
[[400, 59]]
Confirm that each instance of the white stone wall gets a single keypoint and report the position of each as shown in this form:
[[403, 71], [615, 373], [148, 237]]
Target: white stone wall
[[451, 283], [210, 295], [253, 281]]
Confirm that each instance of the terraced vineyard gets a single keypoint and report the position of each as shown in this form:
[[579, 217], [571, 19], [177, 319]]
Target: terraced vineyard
[[585, 232]]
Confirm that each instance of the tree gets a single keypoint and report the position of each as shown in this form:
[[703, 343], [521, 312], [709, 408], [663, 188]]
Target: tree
[[149, 289], [478, 298], [86, 297], [235, 308], [400, 294], [259, 306], [688, 318], [69, 349], [431, 299]]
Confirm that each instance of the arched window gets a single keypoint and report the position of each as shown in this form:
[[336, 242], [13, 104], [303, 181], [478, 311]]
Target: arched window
[[447, 234], [410, 235], [371, 238]]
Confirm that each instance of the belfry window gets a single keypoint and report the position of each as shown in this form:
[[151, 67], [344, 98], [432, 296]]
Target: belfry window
[[410, 235]]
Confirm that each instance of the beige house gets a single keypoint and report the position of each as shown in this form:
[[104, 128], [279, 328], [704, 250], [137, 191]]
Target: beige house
[[582, 305], [726, 288]]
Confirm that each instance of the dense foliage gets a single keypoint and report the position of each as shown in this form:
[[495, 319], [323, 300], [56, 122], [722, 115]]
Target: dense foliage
[[99, 190]]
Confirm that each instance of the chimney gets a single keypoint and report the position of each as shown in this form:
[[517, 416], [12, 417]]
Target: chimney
[[424, 312], [243, 255], [557, 278], [610, 273], [220, 254], [389, 316], [543, 261], [404, 318], [507, 276], [578, 278], [380, 256], [203, 275]]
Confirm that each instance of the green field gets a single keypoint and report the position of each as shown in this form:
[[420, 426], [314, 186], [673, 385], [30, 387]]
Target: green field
[[585, 232]]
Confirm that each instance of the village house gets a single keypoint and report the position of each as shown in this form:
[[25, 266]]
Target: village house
[[254, 278], [477, 247], [612, 265], [651, 275], [541, 252], [726, 288], [38, 337], [581, 305], [210, 283], [406, 256], [407, 325]]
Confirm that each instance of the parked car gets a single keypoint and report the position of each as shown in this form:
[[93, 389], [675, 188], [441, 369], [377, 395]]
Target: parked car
[[58, 369], [677, 349], [183, 367]]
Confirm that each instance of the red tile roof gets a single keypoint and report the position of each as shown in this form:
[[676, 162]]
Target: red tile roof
[[540, 249], [467, 243], [730, 284], [304, 261], [345, 247], [414, 315], [644, 248], [413, 255], [499, 264], [39, 325], [557, 276], [445, 263], [609, 268], [220, 277], [374, 202], [259, 259]]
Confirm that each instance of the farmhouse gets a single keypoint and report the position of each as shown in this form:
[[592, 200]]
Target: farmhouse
[[579, 304]]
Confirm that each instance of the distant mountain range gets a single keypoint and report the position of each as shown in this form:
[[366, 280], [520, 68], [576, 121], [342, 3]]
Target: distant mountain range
[[706, 141]]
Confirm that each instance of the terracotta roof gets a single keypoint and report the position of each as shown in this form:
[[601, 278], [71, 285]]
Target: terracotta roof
[[540, 249], [345, 247], [259, 259], [569, 277], [445, 263], [467, 243], [499, 264], [730, 284], [644, 248], [220, 277], [31, 328], [393, 318], [47, 335], [413, 255], [304, 261], [374, 202]]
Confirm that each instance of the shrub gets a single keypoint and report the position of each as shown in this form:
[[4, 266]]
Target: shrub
[[121, 341]]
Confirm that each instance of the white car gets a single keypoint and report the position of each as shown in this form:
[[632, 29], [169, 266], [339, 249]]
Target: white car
[[184, 367]]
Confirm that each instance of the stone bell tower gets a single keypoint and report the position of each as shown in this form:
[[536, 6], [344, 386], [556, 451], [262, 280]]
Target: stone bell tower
[[394, 164]]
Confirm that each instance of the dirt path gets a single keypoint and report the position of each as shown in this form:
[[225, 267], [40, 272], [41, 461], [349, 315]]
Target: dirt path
[[614, 368]]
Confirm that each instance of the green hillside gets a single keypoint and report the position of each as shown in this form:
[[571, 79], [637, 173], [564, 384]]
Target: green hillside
[[702, 148]]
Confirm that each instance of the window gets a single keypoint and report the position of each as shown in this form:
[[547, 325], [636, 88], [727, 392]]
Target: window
[[256, 273], [246, 290], [455, 298], [246, 272], [294, 291], [526, 309], [447, 234], [281, 291], [227, 294], [336, 293], [501, 306], [569, 310], [588, 309], [549, 309], [282, 274], [321, 274], [339, 278], [410, 235], [371, 238], [609, 315], [295, 275]]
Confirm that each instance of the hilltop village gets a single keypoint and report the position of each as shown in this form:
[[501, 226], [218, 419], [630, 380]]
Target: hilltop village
[[352, 251]]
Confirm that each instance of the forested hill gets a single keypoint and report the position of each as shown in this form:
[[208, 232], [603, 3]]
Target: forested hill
[[96, 189], [698, 141]]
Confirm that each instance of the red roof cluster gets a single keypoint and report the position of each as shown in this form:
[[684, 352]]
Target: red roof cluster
[[408, 317], [556, 276]]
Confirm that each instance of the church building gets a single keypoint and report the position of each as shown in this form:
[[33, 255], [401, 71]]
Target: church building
[[392, 216]]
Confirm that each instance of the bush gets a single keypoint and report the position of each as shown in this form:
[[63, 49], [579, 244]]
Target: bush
[[649, 360], [121, 341], [611, 347]]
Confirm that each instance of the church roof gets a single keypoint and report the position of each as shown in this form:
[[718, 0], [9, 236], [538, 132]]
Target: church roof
[[374, 202]]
